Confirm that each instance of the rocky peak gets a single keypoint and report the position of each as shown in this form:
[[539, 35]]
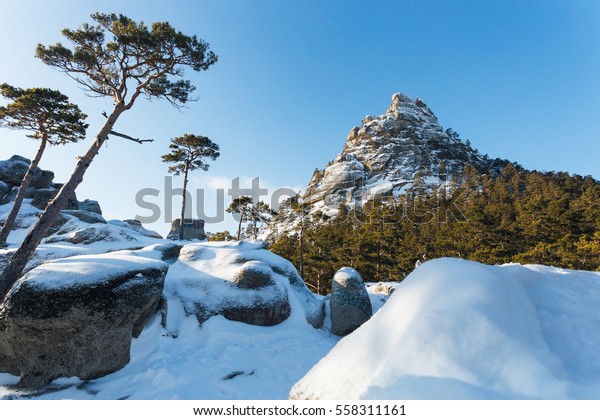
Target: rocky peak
[[385, 155]]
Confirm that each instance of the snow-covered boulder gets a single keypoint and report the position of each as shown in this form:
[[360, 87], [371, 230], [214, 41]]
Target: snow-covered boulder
[[88, 234], [135, 226], [211, 285], [76, 316], [350, 304], [239, 281], [456, 329], [85, 216]]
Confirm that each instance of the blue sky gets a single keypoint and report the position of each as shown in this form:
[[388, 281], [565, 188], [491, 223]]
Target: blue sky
[[521, 80]]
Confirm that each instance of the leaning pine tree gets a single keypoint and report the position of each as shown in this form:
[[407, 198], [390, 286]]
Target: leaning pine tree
[[189, 152], [121, 59], [50, 118]]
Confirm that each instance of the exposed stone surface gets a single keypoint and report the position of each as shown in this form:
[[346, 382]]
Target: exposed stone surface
[[350, 303], [85, 216], [13, 170], [4, 189], [253, 275], [81, 326], [390, 154], [193, 229], [43, 196], [44, 180], [90, 205]]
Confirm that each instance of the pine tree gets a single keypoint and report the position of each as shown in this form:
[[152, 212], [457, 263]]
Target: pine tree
[[120, 59], [51, 119], [189, 153], [241, 206]]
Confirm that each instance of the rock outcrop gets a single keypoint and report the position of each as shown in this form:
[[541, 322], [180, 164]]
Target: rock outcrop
[[193, 229], [241, 282], [385, 156], [76, 316], [350, 303]]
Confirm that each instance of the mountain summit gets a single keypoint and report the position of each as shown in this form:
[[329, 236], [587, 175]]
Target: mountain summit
[[388, 155]]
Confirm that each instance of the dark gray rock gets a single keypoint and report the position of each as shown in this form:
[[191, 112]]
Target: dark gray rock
[[85, 216], [13, 170], [10, 196], [30, 193], [44, 180], [90, 205], [193, 229], [4, 188], [350, 303], [77, 326], [254, 275], [42, 197]]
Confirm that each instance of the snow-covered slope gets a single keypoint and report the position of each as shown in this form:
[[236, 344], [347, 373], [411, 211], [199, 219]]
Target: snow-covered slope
[[177, 358], [460, 329]]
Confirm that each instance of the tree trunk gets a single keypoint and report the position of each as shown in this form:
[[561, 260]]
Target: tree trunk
[[240, 225], [14, 211], [185, 182], [17, 264], [302, 244]]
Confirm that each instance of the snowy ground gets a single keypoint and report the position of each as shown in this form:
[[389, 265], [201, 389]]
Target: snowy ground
[[453, 329], [457, 329]]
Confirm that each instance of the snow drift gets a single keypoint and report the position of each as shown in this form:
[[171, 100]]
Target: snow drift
[[456, 329]]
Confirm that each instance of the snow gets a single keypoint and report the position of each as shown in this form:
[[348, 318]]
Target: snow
[[453, 329], [460, 329], [221, 359], [67, 272]]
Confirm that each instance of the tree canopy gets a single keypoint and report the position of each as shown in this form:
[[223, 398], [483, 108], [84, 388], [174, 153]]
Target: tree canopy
[[122, 58], [46, 113], [190, 152]]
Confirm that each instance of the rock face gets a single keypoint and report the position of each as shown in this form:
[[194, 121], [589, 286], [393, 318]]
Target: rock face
[[55, 323], [387, 155], [350, 303], [193, 229], [42, 197], [90, 205], [13, 170], [4, 189]]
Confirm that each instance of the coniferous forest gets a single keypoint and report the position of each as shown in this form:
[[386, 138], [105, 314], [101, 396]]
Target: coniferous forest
[[521, 216]]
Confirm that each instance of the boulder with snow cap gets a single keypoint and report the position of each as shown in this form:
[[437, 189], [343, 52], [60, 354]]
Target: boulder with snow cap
[[350, 303], [76, 316]]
